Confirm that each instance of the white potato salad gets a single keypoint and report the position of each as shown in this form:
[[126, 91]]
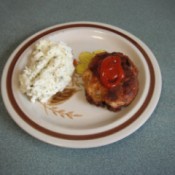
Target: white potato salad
[[49, 70]]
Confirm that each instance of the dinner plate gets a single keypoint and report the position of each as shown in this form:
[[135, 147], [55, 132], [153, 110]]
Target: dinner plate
[[73, 122]]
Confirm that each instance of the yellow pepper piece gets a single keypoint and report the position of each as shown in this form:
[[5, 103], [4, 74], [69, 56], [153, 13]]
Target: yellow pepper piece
[[84, 60], [85, 57], [80, 68]]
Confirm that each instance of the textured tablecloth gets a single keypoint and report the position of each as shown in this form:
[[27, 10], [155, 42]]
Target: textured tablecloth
[[150, 150]]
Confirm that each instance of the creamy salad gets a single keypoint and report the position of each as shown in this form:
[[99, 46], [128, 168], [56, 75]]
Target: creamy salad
[[49, 70]]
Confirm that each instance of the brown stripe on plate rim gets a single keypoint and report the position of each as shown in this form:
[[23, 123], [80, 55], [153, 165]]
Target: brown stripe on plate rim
[[69, 136]]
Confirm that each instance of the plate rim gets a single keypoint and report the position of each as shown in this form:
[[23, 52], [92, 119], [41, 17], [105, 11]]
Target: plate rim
[[26, 43]]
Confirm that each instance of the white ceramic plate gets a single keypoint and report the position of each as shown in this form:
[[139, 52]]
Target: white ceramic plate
[[75, 123]]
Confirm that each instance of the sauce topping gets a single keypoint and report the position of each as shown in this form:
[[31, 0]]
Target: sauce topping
[[110, 71]]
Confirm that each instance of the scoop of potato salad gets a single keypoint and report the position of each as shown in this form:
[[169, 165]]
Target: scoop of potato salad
[[49, 70]]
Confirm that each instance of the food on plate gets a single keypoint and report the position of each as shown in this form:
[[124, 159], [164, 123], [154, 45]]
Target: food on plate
[[84, 60], [48, 71], [111, 80]]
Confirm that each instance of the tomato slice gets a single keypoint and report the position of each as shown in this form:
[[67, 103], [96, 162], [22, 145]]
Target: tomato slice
[[110, 71]]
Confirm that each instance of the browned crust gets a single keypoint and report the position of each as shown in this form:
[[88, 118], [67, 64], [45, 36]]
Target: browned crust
[[115, 98]]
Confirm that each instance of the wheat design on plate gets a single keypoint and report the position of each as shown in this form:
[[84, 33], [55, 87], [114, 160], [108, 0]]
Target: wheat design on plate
[[53, 105]]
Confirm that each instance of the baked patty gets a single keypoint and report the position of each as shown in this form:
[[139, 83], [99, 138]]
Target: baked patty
[[113, 98]]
